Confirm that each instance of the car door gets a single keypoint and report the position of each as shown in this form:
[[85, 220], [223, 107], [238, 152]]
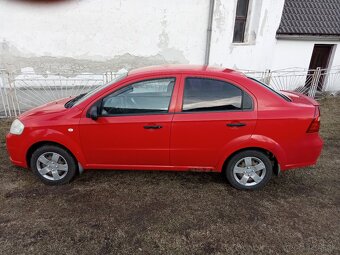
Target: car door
[[133, 127], [211, 115]]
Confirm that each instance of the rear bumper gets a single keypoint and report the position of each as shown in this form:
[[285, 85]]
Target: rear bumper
[[308, 153]]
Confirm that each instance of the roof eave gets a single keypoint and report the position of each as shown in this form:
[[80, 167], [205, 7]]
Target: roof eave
[[308, 37]]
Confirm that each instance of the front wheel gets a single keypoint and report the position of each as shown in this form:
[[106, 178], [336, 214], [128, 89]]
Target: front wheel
[[53, 165], [248, 170]]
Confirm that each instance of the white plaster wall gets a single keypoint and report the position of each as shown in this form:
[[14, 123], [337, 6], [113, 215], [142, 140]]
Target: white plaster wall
[[294, 53], [291, 54], [335, 61], [159, 31], [92, 29], [333, 83], [261, 50], [257, 52]]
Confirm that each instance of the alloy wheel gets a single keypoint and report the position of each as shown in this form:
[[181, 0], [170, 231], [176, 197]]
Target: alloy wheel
[[249, 171], [52, 166]]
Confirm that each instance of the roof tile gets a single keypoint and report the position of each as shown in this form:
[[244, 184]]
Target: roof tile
[[310, 17]]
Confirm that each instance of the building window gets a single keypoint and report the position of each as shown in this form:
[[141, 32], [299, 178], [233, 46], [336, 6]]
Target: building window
[[240, 20]]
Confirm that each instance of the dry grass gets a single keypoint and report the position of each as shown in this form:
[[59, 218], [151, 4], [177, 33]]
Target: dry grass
[[179, 213]]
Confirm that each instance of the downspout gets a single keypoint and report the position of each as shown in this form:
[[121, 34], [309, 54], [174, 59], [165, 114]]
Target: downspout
[[209, 31]]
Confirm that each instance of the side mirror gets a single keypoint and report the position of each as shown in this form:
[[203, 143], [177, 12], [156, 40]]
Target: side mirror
[[94, 112]]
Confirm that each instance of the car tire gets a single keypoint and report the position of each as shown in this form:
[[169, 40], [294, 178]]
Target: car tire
[[53, 165], [249, 170]]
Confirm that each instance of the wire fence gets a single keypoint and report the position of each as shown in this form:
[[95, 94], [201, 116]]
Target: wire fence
[[24, 91]]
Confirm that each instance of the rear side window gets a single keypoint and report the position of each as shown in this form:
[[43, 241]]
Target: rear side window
[[145, 97], [247, 102], [202, 94]]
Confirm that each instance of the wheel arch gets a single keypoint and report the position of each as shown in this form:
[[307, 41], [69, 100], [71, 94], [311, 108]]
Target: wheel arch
[[271, 155], [37, 145]]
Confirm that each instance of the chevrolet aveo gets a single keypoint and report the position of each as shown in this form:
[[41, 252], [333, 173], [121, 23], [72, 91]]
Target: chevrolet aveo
[[178, 118]]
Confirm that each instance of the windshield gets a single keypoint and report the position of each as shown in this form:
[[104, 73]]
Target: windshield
[[272, 90], [82, 97]]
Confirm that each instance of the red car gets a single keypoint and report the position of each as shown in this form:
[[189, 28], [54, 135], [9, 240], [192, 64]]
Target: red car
[[178, 118]]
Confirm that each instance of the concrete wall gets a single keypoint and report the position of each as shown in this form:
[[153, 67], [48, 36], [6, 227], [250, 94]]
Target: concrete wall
[[97, 36], [92, 35]]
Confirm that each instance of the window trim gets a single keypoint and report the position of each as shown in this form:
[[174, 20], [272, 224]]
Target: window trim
[[216, 111], [100, 101]]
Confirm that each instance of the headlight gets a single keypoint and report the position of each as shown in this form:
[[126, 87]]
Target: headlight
[[17, 127]]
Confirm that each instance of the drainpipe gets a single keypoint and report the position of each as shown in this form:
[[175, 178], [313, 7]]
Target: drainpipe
[[209, 30]]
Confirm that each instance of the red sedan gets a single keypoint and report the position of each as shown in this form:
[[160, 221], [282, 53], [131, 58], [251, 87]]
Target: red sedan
[[179, 118]]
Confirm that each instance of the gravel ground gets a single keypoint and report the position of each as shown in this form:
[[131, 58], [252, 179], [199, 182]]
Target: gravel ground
[[136, 212]]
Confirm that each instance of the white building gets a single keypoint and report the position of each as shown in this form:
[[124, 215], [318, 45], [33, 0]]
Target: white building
[[95, 36]]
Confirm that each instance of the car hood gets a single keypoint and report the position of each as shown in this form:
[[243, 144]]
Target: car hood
[[57, 106]]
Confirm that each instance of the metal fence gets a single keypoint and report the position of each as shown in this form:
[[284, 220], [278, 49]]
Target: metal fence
[[313, 82], [21, 92]]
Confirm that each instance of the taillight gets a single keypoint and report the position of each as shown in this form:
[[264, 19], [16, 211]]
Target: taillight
[[315, 125]]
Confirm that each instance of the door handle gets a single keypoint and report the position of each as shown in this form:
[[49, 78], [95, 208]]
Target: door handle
[[153, 127], [236, 124]]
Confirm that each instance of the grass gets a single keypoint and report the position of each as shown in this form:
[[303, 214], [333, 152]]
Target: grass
[[137, 212]]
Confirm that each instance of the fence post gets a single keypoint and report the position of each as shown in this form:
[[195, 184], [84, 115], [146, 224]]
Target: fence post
[[315, 82], [3, 92], [6, 93], [267, 76], [16, 103], [12, 94]]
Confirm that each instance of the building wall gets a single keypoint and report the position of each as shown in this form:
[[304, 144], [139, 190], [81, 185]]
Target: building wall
[[294, 53], [262, 50], [93, 35], [97, 36], [256, 54]]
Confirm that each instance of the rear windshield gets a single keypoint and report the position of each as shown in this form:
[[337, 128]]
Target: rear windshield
[[272, 90]]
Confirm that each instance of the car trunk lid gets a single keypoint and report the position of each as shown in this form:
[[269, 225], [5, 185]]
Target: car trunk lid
[[300, 98]]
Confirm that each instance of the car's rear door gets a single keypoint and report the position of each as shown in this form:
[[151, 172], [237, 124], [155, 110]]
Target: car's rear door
[[134, 125], [211, 114]]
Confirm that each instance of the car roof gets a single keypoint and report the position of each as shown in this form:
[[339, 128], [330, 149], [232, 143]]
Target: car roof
[[188, 69]]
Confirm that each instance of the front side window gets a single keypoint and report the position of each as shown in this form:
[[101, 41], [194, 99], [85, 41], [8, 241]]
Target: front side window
[[202, 94], [145, 97], [240, 20], [82, 97]]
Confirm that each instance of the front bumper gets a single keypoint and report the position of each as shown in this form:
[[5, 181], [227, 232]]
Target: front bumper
[[16, 149]]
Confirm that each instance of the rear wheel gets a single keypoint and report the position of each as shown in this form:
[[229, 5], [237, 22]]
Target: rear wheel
[[53, 165], [249, 170]]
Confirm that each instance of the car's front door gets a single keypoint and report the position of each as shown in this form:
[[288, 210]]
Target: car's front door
[[212, 114], [133, 127]]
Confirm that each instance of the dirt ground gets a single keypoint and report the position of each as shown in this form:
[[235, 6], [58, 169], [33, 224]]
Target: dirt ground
[[136, 212]]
